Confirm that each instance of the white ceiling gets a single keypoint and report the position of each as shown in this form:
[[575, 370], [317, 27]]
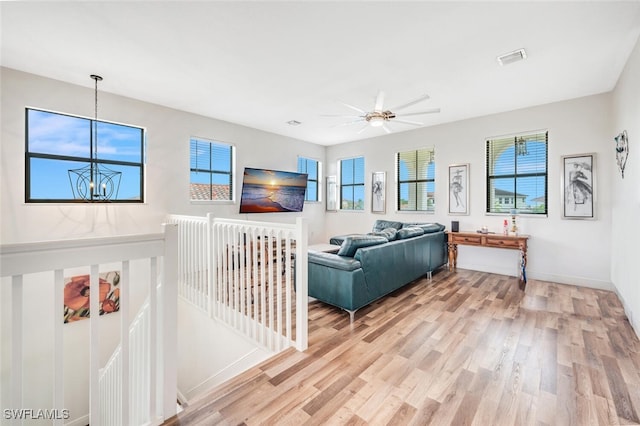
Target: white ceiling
[[263, 63]]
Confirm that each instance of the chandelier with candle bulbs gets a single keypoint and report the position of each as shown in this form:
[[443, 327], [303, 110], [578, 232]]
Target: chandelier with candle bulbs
[[95, 182]]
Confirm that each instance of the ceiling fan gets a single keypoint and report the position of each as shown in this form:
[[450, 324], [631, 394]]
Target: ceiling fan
[[380, 117]]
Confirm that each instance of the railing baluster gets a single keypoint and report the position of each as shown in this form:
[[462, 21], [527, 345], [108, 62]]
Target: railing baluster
[[94, 344], [58, 342], [153, 335], [16, 340], [124, 341]]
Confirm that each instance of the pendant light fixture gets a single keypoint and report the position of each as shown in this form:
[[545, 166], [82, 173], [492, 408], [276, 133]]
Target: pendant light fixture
[[95, 182]]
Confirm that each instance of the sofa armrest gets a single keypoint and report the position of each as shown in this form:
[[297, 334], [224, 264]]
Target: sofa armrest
[[333, 261]]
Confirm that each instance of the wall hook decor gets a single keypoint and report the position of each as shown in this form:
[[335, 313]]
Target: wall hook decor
[[622, 150]]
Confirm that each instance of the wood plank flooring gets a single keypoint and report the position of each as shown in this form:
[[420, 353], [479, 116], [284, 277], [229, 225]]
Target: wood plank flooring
[[467, 348]]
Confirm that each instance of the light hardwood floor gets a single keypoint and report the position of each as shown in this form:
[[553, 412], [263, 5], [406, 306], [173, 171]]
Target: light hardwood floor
[[465, 348]]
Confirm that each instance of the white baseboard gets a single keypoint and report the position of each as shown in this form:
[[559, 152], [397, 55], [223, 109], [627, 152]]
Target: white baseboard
[[633, 320], [572, 280], [253, 358], [537, 275]]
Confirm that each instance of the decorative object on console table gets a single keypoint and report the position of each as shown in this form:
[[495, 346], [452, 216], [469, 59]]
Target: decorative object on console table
[[459, 189], [514, 227], [518, 242], [378, 192], [455, 226], [332, 205], [578, 186], [622, 151]]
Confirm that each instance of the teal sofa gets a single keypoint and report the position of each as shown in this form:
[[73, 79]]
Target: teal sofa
[[368, 267]]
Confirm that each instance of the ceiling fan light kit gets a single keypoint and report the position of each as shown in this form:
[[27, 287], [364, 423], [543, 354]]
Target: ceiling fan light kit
[[380, 117]]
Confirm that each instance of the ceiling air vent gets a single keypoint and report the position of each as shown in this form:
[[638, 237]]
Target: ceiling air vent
[[511, 57]]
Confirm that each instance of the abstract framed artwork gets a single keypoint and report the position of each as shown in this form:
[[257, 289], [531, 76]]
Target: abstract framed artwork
[[77, 299], [578, 178], [459, 189], [378, 180], [622, 151]]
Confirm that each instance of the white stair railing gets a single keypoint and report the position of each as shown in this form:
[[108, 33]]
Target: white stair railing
[[255, 276], [139, 361], [148, 393], [193, 259]]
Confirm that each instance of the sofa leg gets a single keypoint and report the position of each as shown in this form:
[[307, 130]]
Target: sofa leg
[[429, 276], [352, 315]]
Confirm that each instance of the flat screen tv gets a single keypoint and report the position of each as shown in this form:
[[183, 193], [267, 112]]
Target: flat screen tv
[[268, 191]]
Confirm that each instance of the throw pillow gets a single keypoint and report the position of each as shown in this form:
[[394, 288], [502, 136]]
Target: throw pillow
[[427, 227], [388, 233], [380, 224], [409, 232], [351, 244]]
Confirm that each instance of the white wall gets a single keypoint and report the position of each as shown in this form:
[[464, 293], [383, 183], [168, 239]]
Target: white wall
[[566, 251], [626, 192], [167, 174], [210, 353]]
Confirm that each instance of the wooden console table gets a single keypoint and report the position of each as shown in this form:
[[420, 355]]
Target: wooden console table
[[517, 242]]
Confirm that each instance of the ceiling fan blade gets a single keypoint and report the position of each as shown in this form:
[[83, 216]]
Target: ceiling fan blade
[[340, 115], [386, 129], [349, 123], [413, 123], [413, 102], [364, 128], [379, 101], [429, 111], [361, 111]]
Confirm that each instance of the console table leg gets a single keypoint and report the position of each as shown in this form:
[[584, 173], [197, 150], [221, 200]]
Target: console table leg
[[523, 265], [453, 256]]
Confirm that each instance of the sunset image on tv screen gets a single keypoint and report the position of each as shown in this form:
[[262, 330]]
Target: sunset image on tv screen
[[265, 191]]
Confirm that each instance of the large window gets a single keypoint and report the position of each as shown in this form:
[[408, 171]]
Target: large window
[[311, 168], [517, 174], [76, 159], [352, 184], [415, 177], [211, 170]]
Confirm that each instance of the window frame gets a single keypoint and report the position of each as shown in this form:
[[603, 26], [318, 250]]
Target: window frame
[[354, 184], [318, 197], [399, 182], [489, 210], [29, 155], [211, 172]]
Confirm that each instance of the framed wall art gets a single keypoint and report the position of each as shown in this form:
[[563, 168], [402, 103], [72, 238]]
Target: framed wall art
[[378, 190], [578, 177], [459, 189], [622, 151], [76, 295]]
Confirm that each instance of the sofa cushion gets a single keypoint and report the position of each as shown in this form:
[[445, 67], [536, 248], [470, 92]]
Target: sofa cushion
[[409, 232], [380, 224], [388, 233], [427, 227], [339, 239], [353, 243]]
